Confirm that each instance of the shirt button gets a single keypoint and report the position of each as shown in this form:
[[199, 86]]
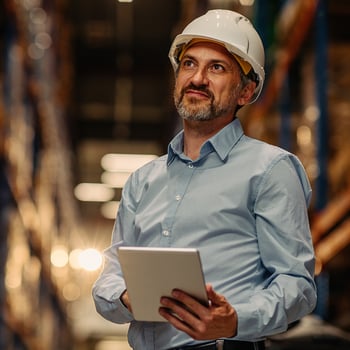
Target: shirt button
[[177, 197], [165, 233], [190, 165]]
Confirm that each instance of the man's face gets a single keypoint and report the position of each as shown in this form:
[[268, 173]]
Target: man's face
[[208, 83]]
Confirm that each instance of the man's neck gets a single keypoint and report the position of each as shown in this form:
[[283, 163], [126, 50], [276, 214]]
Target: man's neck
[[197, 132]]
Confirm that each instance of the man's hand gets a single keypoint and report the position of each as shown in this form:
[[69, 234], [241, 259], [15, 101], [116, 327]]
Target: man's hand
[[125, 300], [185, 313]]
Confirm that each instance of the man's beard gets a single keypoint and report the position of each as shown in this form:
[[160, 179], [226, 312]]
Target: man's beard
[[198, 111]]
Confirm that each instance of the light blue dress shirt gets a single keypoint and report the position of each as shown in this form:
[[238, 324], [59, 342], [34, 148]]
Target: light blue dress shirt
[[243, 204]]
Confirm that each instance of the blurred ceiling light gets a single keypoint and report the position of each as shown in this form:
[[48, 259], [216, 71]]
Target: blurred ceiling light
[[125, 162], [93, 192], [312, 113], [71, 291], [110, 344], [43, 41], [90, 259], [74, 259], [109, 209], [304, 135], [115, 179], [227, 3], [35, 52], [37, 15], [312, 170], [246, 2], [125, 0], [13, 279], [59, 256]]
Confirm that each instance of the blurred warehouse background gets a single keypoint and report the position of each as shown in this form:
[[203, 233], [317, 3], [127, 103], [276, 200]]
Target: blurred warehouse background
[[86, 97]]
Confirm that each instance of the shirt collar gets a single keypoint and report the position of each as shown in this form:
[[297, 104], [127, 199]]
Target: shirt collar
[[221, 143]]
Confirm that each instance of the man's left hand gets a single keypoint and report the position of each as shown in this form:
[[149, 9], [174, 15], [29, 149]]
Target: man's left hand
[[218, 320]]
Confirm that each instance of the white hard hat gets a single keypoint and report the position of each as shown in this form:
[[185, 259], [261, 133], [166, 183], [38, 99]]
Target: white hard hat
[[230, 29]]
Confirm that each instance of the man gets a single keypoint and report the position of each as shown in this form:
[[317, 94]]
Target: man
[[241, 202]]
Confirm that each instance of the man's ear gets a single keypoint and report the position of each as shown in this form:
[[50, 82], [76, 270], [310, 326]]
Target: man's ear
[[246, 93]]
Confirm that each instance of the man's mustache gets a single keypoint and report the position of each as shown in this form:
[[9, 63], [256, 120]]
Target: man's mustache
[[201, 88]]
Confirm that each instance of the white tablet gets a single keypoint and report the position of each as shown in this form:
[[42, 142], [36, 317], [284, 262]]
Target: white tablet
[[151, 273]]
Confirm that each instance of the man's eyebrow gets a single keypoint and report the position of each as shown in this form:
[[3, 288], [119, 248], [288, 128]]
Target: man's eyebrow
[[188, 56], [211, 61]]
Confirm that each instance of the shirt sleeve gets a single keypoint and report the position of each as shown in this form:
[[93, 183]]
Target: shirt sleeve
[[110, 284], [286, 250]]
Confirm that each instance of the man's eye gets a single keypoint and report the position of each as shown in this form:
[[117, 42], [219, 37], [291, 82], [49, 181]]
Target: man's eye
[[216, 67], [187, 63]]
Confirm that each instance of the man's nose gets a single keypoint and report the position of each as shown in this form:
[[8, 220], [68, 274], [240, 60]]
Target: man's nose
[[200, 76]]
